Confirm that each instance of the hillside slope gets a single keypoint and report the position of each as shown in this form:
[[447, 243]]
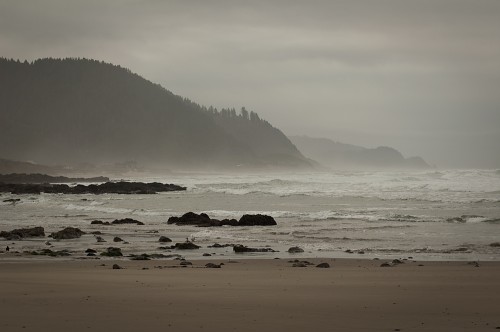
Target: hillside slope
[[79, 111]]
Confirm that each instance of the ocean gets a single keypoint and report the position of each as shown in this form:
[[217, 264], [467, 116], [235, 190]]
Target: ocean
[[421, 215]]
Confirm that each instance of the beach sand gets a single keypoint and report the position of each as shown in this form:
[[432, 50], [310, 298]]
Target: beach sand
[[248, 295]]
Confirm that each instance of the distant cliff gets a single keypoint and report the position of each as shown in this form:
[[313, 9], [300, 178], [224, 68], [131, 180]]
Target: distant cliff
[[79, 111], [346, 156]]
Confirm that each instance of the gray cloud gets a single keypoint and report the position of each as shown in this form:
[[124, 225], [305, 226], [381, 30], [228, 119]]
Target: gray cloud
[[422, 76]]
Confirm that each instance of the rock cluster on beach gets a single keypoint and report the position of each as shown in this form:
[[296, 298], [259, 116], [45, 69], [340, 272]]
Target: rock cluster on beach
[[203, 220], [117, 222], [104, 188], [18, 234], [67, 233], [238, 248]]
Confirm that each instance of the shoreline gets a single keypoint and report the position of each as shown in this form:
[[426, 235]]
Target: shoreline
[[248, 295]]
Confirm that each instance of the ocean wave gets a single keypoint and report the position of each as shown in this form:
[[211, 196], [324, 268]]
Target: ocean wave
[[461, 186], [112, 210], [473, 219], [363, 215]]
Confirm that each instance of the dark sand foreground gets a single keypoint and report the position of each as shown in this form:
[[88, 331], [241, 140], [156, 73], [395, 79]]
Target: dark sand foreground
[[251, 295]]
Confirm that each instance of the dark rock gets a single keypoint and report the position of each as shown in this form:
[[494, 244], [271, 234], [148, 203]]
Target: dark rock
[[67, 233], [397, 262], [300, 264], [349, 251], [323, 265], [99, 222], [96, 232], [164, 239], [100, 239], [48, 252], [117, 239], [385, 265], [256, 220], [203, 220], [206, 255], [142, 257], [295, 250], [212, 266], [145, 257], [217, 245], [22, 233], [185, 263], [116, 267], [104, 188], [13, 237], [126, 221], [191, 218], [112, 252], [242, 249], [185, 246], [90, 251], [229, 222], [495, 244]]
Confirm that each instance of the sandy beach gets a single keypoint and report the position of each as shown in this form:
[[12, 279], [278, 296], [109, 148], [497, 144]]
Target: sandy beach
[[248, 295]]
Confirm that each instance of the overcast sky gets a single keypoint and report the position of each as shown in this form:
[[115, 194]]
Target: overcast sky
[[420, 76]]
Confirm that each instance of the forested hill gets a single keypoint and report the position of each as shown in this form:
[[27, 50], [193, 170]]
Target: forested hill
[[80, 111]]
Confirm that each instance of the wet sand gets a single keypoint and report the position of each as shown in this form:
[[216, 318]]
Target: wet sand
[[248, 295]]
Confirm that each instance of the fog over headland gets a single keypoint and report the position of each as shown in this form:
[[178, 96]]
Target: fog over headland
[[420, 76]]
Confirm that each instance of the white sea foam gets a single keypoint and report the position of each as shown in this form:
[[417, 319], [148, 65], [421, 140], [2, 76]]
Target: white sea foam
[[97, 208], [444, 186]]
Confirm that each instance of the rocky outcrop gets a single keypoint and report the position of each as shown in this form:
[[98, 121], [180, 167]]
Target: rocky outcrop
[[256, 220], [22, 233], [126, 221], [242, 249], [48, 252], [104, 188], [164, 239], [100, 222], [203, 220], [200, 220], [112, 252], [67, 233], [295, 250], [218, 245], [117, 222], [185, 246]]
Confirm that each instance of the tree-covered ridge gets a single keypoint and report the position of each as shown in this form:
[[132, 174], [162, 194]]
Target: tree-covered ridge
[[77, 110]]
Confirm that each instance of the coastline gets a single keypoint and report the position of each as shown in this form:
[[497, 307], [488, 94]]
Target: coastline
[[248, 295]]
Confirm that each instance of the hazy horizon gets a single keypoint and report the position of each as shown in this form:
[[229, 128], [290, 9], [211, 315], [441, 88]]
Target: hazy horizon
[[422, 77]]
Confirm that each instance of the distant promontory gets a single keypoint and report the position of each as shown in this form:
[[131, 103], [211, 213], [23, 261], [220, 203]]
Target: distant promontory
[[338, 155]]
